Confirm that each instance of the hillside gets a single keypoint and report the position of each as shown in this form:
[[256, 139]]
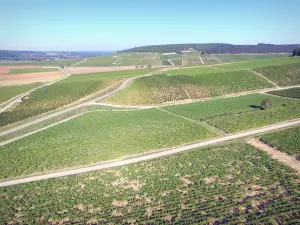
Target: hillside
[[216, 48]]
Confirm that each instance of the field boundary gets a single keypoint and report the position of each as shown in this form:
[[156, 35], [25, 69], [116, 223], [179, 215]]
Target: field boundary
[[276, 154], [79, 62], [154, 155], [262, 76]]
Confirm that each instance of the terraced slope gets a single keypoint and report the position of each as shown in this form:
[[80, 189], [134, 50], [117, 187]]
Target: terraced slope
[[162, 88], [234, 184], [283, 75]]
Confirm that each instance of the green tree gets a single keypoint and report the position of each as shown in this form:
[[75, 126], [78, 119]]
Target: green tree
[[266, 103], [296, 52]]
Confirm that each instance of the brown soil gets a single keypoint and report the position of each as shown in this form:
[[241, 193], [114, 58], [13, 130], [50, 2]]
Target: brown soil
[[29, 78], [275, 154]]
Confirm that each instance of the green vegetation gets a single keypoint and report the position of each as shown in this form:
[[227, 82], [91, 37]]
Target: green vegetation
[[192, 71], [283, 75], [258, 63], [64, 92], [65, 62], [249, 57], [96, 137], [163, 88], [290, 93], [105, 60], [286, 140], [221, 107], [244, 121], [296, 52], [8, 92], [31, 70], [234, 184]]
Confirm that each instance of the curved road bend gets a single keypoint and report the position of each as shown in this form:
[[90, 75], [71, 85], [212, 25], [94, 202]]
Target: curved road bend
[[122, 86], [150, 156]]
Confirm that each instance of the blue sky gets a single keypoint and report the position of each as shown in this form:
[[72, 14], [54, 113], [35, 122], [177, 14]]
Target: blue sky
[[118, 24]]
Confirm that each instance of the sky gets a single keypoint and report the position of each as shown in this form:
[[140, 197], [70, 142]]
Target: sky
[[100, 25]]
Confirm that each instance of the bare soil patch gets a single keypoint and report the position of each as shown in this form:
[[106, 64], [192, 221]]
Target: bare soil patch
[[275, 154], [28, 78]]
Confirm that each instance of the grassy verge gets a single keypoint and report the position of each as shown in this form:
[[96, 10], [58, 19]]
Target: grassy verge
[[234, 183]]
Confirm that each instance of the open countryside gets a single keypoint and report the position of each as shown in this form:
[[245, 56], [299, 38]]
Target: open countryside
[[150, 133]]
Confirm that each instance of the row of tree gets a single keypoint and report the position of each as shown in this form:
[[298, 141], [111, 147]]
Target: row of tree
[[217, 48]]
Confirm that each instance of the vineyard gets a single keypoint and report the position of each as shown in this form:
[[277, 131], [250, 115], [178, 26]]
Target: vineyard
[[233, 184], [65, 62], [31, 70], [222, 107], [163, 88], [285, 75], [192, 71], [286, 140], [63, 93], [290, 93], [248, 57], [258, 63], [96, 137], [248, 120], [8, 92]]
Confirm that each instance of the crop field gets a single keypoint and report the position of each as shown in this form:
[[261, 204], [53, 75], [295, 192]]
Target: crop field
[[249, 57], [65, 62], [285, 140], [192, 71], [63, 93], [31, 70], [106, 60], [290, 93], [96, 137], [283, 75], [162, 88], [253, 119], [152, 60], [177, 62], [221, 107], [9, 92], [259, 63], [234, 184], [209, 59]]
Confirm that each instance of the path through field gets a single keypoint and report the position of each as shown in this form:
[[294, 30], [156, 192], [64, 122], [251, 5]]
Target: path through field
[[78, 62], [262, 76], [170, 61], [201, 60], [150, 156], [276, 154]]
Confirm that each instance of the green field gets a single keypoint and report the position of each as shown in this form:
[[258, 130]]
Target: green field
[[286, 140], [8, 92], [64, 62], [65, 92], [284, 75], [193, 71], [221, 107], [244, 121], [209, 59], [162, 88], [259, 63], [105, 60], [290, 93], [249, 57], [232, 184], [96, 137], [31, 70]]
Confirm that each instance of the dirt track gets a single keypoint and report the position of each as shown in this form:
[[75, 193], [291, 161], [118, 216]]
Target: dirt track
[[149, 156]]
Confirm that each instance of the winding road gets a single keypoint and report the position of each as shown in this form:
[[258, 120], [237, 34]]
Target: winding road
[[150, 156]]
